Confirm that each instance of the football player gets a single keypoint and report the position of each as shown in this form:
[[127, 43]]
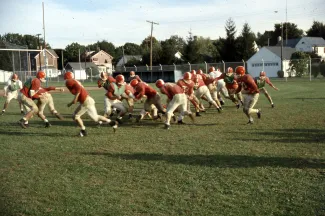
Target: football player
[[261, 81], [86, 104], [30, 88], [250, 92], [11, 92], [177, 99]]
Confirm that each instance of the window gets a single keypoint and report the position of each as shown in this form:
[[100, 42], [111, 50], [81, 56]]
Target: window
[[95, 59], [316, 49]]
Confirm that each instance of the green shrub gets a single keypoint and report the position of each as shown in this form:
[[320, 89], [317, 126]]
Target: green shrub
[[280, 74]]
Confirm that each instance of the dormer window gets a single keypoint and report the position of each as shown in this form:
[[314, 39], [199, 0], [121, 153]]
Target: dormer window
[[303, 42]]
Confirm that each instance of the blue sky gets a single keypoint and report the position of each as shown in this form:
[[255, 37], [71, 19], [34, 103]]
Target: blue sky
[[87, 21]]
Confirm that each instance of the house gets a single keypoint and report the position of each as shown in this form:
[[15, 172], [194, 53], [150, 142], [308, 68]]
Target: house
[[268, 59], [82, 70], [100, 58], [124, 59], [46, 59], [306, 44]]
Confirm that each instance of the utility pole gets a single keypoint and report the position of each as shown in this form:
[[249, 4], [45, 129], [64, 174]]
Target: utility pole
[[39, 55], [123, 55], [286, 22], [151, 45], [281, 46]]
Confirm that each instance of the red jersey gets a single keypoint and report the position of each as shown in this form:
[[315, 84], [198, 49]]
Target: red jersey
[[248, 84], [31, 84], [207, 79], [171, 89], [75, 87], [187, 86], [198, 80], [144, 89], [42, 91]]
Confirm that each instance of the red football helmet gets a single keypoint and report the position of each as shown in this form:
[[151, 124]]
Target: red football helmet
[[132, 73], [14, 77], [41, 75], [119, 79], [68, 75], [240, 70], [211, 69], [230, 70], [199, 72], [262, 73], [160, 83], [134, 83], [193, 72], [187, 76]]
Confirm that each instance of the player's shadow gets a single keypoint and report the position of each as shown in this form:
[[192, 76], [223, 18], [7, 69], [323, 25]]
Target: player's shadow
[[290, 136], [220, 161]]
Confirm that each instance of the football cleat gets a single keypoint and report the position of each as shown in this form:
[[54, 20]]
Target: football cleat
[[119, 120], [83, 133], [250, 122], [47, 124], [21, 122], [138, 118], [180, 122], [259, 113], [238, 106], [222, 102], [3, 112], [198, 114], [130, 116], [22, 112], [272, 105], [167, 126]]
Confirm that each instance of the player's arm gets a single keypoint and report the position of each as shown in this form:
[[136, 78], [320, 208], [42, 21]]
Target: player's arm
[[140, 92], [76, 96], [267, 80], [36, 85]]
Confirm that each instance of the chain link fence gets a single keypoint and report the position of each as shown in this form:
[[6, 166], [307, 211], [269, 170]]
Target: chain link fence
[[20, 62]]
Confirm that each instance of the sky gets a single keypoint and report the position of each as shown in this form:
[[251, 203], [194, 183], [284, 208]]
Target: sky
[[119, 22]]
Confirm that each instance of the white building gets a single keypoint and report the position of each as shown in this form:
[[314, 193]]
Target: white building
[[268, 59], [306, 44]]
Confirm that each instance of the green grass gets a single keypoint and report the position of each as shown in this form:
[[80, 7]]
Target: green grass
[[219, 166]]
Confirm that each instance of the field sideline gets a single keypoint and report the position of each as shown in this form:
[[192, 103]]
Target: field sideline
[[217, 166]]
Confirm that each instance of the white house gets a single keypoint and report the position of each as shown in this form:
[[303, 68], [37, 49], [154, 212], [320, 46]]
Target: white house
[[79, 69], [312, 44], [306, 44], [268, 59], [124, 59]]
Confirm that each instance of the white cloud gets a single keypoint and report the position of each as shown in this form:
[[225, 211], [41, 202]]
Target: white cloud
[[120, 23]]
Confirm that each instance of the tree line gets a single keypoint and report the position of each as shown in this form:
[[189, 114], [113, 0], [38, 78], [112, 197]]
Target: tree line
[[194, 48]]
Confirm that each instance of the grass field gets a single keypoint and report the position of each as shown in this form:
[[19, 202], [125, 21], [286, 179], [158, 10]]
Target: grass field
[[218, 166]]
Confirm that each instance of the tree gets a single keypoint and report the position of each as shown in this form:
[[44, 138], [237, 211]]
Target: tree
[[317, 30], [293, 32], [298, 63], [71, 52], [132, 49], [245, 43], [264, 39], [206, 50], [229, 45], [191, 49], [322, 68], [29, 41], [171, 46], [156, 51]]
